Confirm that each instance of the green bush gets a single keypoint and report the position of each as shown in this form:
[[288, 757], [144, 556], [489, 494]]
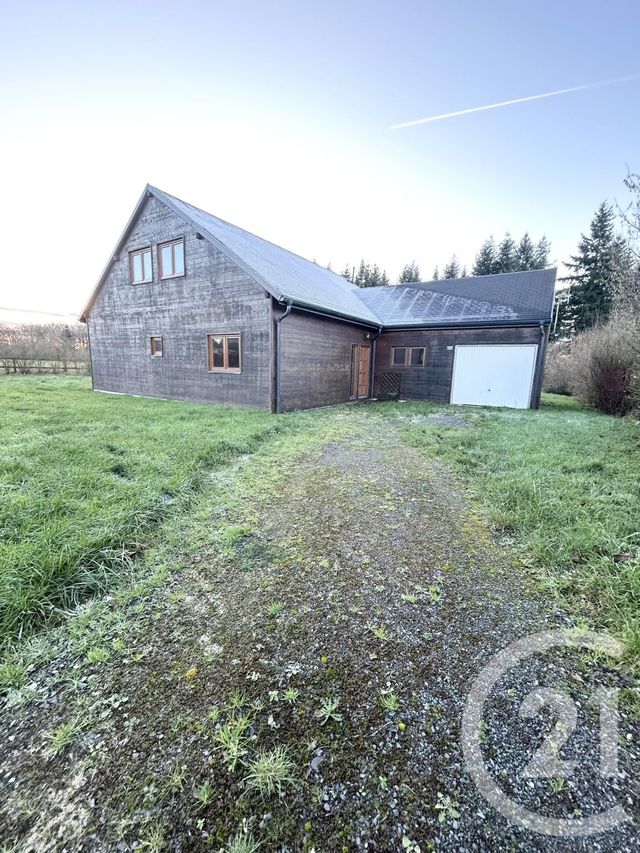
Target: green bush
[[604, 366]]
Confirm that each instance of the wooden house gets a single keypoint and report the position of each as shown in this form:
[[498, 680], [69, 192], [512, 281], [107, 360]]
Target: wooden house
[[190, 307]]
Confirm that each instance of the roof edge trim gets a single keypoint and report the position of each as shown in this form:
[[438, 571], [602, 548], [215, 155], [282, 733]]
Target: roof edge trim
[[495, 324], [127, 229], [245, 267]]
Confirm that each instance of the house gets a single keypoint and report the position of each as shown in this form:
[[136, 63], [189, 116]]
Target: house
[[190, 307]]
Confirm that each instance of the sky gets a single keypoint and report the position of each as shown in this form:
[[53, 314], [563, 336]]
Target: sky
[[276, 116]]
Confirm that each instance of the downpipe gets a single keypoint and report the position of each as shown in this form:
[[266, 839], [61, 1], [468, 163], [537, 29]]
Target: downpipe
[[279, 320], [372, 379], [537, 384]]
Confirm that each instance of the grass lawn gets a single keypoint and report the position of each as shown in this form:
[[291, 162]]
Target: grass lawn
[[286, 664], [85, 478], [563, 484]]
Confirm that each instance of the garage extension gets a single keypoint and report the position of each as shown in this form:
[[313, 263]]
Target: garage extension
[[483, 338]]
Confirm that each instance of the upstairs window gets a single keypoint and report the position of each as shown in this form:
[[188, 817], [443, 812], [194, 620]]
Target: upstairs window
[[171, 258], [156, 346], [140, 268], [408, 356], [224, 353]]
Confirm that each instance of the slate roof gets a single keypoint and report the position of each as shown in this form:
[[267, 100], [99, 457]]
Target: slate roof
[[511, 297], [284, 274], [508, 297]]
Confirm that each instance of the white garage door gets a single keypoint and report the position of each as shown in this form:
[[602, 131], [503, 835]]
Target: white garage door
[[494, 375]]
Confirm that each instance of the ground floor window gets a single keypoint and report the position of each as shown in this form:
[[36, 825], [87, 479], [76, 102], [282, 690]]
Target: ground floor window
[[408, 356], [156, 345], [224, 353]]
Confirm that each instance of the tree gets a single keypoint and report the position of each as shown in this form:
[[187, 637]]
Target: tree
[[630, 214], [452, 269], [507, 260], [436, 274], [410, 272], [486, 262], [370, 275], [348, 273], [377, 277], [626, 286], [526, 253], [362, 274], [593, 271], [541, 255]]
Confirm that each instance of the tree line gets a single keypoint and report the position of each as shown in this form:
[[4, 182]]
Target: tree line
[[603, 270], [26, 346], [508, 255]]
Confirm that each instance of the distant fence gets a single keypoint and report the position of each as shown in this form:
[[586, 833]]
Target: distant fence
[[40, 365]]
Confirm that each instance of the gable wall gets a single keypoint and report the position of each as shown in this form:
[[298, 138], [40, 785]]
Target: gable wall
[[433, 380], [214, 296]]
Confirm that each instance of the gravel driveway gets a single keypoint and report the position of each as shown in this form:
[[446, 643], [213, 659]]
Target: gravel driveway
[[344, 599]]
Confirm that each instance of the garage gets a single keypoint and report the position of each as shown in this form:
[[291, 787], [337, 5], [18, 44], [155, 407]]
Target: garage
[[494, 375]]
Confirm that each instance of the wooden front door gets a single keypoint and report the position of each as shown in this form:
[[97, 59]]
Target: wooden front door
[[360, 371]]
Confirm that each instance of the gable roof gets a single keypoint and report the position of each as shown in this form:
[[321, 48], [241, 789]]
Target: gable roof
[[505, 298], [285, 275]]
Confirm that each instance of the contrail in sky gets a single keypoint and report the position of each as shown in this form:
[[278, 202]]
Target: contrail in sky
[[514, 101]]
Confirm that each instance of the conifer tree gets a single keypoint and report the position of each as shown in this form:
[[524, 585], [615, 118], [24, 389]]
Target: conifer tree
[[526, 253], [347, 273], [410, 272], [592, 277], [370, 275], [362, 274], [452, 269], [541, 254], [486, 262], [507, 260]]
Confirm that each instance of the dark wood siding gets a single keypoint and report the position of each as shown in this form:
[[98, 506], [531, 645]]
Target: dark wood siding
[[433, 380], [315, 360], [214, 296]]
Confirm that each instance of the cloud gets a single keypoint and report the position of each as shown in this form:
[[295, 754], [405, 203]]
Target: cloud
[[514, 101]]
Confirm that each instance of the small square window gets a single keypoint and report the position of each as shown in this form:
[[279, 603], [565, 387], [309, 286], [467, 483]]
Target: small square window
[[171, 258], [398, 355], [417, 357], [140, 267], [156, 345], [224, 353]]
